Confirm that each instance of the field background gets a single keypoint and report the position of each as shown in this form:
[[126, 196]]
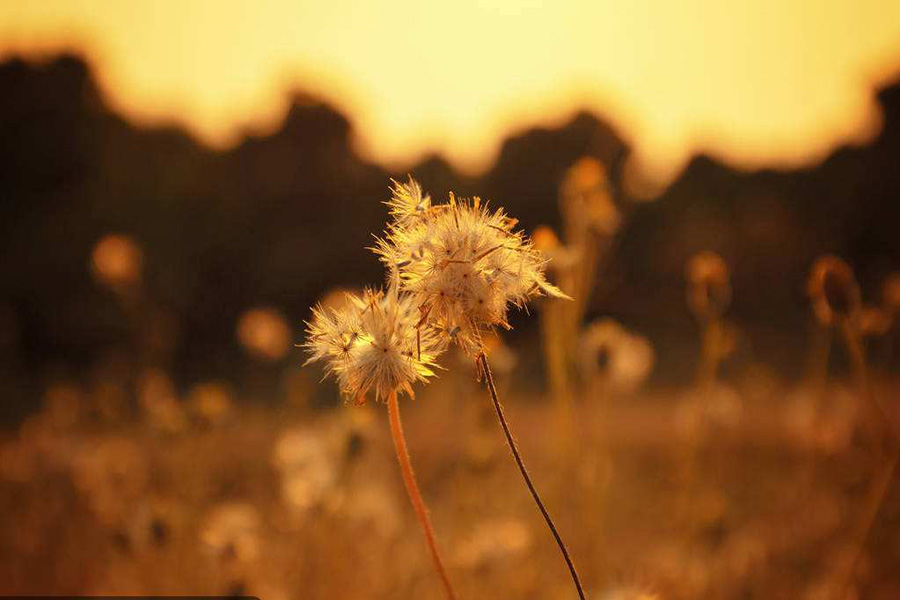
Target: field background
[[160, 436]]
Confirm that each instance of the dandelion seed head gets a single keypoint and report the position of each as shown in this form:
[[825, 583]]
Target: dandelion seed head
[[372, 344], [463, 264], [611, 353], [407, 204]]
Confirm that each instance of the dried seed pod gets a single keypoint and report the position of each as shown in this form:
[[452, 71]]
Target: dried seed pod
[[585, 200], [619, 358], [709, 285], [833, 289]]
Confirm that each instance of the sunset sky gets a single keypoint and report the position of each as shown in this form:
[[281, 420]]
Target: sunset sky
[[759, 83]]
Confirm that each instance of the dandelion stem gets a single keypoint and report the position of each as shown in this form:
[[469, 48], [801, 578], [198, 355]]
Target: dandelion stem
[[486, 370], [882, 484], [412, 488], [858, 358]]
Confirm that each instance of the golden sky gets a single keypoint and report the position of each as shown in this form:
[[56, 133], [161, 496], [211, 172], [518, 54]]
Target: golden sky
[[757, 82]]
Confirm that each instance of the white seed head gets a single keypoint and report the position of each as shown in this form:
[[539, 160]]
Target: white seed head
[[372, 343], [616, 356], [463, 264], [407, 204]]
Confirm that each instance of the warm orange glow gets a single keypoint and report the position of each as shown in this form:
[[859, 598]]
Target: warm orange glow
[[767, 82], [264, 332], [117, 260]]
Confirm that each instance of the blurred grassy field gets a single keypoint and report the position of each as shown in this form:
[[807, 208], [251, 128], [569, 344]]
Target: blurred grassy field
[[737, 493]]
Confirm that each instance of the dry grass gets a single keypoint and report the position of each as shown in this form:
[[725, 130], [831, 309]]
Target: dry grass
[[765, 511]]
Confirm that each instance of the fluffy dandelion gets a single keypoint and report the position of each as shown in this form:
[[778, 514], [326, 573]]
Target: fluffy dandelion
[[372, 344], [613, 355], [464, 265]]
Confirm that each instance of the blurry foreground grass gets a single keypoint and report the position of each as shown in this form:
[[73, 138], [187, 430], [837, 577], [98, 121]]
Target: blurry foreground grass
[[298, 503]]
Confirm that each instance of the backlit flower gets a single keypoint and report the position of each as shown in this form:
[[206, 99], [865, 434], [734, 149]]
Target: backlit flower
[[462, 264], [372, 343]]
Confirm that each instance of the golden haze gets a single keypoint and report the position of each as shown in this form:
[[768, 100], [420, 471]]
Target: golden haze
[[758, 83]]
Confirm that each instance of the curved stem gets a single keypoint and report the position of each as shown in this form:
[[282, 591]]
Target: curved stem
[[878, 491], [486, 371], [861, 370], [412, 488]]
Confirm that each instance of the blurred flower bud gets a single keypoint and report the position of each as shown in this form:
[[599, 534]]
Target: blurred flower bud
[[211, 403], [117, 261], [231, 531], [833, 289], [585, 199], [264, 333], [616, 356], [159, 403], [709, 285]]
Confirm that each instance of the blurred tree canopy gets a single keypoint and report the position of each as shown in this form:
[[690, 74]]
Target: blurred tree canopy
[[280, 219]]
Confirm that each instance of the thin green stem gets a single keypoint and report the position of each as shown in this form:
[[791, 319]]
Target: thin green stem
[[486, 370]]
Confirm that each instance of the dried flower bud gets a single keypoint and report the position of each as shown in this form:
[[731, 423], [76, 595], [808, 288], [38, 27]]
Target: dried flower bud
[[833, 289], [585, 200], [709, 285]]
